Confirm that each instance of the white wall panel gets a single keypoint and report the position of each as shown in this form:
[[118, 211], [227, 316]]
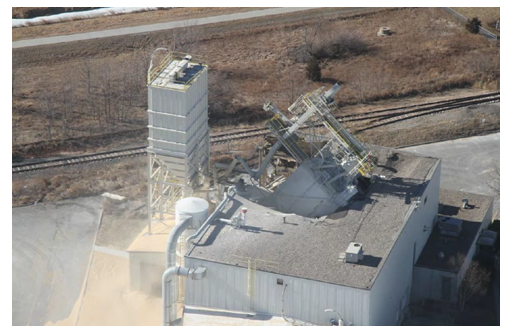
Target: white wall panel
[[225, 287], [428, 284], [394, 281]]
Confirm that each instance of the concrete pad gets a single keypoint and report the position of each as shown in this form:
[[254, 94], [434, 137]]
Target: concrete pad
[[468, 164], [52, 245], [209, 317]]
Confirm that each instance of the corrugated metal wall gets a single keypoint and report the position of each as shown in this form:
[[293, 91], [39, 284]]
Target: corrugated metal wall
[[225, 287], [172, 101], [391, 291], [178, 126]]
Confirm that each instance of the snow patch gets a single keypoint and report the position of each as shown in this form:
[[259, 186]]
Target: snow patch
[[63, 17]]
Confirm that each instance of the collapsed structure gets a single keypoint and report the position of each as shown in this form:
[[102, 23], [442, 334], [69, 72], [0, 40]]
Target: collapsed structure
[[351, 230], [331, 169]]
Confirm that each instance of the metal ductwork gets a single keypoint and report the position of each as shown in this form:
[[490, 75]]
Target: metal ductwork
[[226, 196], [169, 289]]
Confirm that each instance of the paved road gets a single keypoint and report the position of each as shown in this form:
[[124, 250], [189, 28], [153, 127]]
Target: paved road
[[468, 164], [154, 27], [52, 245]]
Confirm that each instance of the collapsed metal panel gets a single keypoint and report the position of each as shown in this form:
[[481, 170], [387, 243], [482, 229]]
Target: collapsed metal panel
[[334, 167]]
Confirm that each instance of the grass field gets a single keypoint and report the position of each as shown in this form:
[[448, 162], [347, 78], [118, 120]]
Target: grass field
[[120, 21], [250, 61]]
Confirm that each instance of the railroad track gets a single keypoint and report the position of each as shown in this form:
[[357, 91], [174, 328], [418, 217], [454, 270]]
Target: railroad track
[[398, 113], [371, 119], [83, 159]]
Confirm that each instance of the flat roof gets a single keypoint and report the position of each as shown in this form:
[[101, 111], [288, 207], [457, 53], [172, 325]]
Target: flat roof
[[310, 248], [190, 73], [450, 204]]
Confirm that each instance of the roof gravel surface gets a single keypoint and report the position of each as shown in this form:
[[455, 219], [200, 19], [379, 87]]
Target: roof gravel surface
[[311, 248]]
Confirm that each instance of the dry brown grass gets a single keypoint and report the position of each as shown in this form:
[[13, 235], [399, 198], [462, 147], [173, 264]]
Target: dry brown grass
[[128, 177], [81, 181], [251, 62], [120, 21], [430, 128]]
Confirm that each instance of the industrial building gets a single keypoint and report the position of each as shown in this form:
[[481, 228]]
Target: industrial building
[[351, 236], [447, 254], [358, 262]]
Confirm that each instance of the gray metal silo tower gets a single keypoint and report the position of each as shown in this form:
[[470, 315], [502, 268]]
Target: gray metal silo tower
[[178, 151]]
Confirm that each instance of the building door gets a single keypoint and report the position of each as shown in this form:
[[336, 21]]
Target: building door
[[445, 288]]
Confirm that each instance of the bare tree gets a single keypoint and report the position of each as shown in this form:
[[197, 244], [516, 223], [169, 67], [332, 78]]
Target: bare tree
[[185, 39], [142, 58], [104, 78], [360, 84], [475, 281], [369, 83], [47, 102], [379, 80], [494, 184], [138, 77], [311, 35], [13, 78], [86, 73], [294, 84], [15, 130], [67, 101], [14, 75], [221, 95]]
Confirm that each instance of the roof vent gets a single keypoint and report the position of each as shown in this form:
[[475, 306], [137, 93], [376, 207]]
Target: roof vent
[[178, 71], [465, 202], [449, 226], [354, 253]]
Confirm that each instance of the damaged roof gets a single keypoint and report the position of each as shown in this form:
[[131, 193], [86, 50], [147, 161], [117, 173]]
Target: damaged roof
[[310, 248]]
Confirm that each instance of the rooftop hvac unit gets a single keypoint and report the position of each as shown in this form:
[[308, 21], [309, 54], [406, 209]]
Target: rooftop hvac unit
[[449, 226], [487, 238], [489, 234], [354, 253]]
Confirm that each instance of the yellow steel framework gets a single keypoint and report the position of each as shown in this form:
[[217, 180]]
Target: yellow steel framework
[[291, 142], [325, 114]]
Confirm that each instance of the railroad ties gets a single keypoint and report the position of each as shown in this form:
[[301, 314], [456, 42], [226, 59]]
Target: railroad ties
[[374, 119], [75, 160]]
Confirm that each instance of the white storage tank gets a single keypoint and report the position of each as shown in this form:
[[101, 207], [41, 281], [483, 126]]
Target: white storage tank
[[197, 208]]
